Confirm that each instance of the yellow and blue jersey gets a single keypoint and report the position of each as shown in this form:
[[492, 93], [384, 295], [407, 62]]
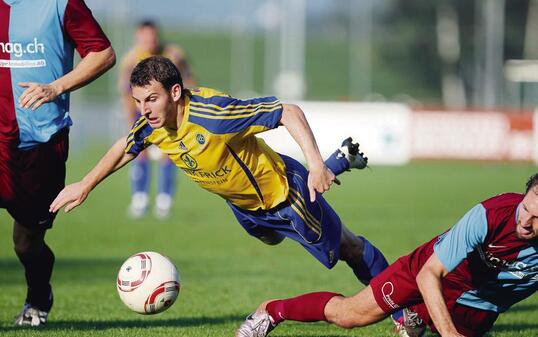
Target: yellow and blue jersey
[[216, 147]]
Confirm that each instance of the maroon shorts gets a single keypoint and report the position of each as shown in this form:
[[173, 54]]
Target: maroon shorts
[[396, 288], [31, 179]]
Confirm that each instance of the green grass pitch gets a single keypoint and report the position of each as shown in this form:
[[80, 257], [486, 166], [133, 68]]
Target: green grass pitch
[[225, 273]]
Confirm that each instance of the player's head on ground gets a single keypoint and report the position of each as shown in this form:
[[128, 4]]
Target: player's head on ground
[[527, 222], [157, 89], [147, 36]]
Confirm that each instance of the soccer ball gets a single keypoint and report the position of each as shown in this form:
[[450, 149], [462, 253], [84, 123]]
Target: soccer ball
[[148, 283]]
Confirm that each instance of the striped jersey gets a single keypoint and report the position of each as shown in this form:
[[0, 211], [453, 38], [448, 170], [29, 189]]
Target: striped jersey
[[489, 267], [37, 42], [216, 147]]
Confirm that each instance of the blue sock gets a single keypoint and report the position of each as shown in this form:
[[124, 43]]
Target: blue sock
[[167, 177], [373, 258], [373, 262], [337, 163], [398, 315], [140, 175]]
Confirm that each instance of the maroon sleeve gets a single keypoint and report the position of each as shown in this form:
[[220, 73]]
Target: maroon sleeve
[[83, 29]]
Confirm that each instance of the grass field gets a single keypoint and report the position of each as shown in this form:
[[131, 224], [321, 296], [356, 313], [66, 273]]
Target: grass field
[[225, 273]]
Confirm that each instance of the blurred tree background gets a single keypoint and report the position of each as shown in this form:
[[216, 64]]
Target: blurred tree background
[[441, 53]]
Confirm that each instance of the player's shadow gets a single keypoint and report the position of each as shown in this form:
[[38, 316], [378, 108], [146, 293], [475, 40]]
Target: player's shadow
[[273, 334], [511, 327], [524, 307], [135, 324]]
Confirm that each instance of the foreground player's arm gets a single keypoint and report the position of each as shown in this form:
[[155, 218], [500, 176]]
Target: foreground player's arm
[[429, 283], [91, 43], [449, 251], [75, 194], [88, 69], [320, 177]]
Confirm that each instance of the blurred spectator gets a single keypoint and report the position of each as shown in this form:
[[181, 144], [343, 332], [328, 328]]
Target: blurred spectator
[[148, 43]]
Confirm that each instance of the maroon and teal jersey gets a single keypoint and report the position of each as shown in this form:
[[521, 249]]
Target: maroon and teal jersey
[[37, 42], [489, 266]]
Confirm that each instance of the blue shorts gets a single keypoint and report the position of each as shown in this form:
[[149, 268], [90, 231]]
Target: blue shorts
[[315, 225]]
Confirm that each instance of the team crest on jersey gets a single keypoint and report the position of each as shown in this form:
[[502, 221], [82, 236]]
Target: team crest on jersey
[[182, 146], [189, 161], [200, 139]]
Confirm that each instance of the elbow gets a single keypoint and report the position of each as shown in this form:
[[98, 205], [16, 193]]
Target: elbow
[[420, 278], [105, 59], [427, 277], [424, 273], [292, 109], [291, 112], [110, 58]]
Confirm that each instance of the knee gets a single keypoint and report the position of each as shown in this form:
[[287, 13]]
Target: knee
[[272, 239], [26, 247], [342, 311], [349, 322], [351, 249], [27, 243]]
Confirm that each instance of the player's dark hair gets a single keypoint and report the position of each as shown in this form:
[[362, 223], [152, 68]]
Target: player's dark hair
[[533, 181], [156, 68], [147, 24]]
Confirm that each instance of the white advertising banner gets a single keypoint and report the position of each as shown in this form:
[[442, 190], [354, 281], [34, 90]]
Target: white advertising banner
[[382, 129]]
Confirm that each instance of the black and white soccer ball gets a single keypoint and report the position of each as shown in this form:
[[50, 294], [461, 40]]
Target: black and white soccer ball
[[148, 283]]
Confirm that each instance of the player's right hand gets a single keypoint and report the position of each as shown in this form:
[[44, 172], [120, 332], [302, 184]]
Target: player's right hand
[[70, 197], [36, 94], [319, 180]]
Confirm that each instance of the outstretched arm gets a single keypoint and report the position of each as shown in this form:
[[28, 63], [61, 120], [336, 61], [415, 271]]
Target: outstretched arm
[[75, 194], [320, 177], [429, 283], [89, 68]]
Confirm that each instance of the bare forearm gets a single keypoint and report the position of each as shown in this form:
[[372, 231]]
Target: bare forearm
[[89, 68], [430, 286], [112, 161], [295, 122]]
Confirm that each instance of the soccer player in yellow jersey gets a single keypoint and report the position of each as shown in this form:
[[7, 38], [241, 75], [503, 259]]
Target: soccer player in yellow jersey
[[148, 43], [210, 136]]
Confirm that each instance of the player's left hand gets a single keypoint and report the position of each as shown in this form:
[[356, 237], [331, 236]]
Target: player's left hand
[[319, 180], [36, 94]]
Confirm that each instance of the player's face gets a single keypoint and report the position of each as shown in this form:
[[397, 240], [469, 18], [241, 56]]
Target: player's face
[[527, 222], [147, 38], [158, 105]]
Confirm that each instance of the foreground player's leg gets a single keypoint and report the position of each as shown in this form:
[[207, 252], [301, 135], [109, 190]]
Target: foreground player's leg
[[372, 261], [140, 175], [167, 185], [345, 312], [38, 261]]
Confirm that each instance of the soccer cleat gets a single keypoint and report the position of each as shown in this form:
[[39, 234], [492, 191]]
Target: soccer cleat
[[409, 324], [139, 205], [257, 324], [31, 316], [356, 158], [346, 157]]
